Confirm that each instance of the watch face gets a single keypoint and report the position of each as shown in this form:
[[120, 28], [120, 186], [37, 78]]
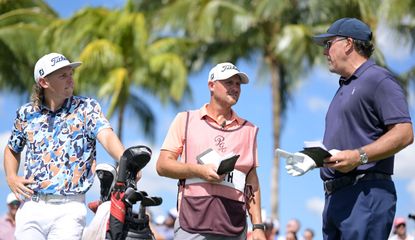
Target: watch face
[[363, 158]]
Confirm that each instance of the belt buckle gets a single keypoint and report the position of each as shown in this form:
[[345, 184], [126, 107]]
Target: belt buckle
[[35, 198], [358, 177]]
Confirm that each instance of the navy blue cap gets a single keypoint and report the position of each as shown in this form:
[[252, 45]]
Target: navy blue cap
[[346, 27]]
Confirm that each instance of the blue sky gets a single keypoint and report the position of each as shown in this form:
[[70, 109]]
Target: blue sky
[[300, 197]]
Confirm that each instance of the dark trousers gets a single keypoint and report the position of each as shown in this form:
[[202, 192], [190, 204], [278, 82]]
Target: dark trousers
[[361, 211]]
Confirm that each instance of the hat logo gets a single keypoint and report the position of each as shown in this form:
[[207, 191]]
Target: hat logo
[[212, 76], [57, 59], [41, 72], [229, 67]]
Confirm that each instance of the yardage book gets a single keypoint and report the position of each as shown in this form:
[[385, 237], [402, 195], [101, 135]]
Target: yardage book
[[317, 151], [225, 163]]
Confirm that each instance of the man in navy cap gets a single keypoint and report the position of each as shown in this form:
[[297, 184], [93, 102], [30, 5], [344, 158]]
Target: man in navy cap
[[368, 122]]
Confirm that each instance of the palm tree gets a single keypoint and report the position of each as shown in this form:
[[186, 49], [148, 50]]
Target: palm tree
[[119, 54], [21, 23], [400, 18]]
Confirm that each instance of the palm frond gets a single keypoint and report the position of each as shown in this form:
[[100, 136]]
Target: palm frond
[[144, 114], [99, 58]]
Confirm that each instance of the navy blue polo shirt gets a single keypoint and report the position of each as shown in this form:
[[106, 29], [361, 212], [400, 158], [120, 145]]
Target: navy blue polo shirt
[[362, 108]]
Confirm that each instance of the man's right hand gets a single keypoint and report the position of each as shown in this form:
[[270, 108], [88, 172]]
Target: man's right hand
[[208, 173], [18, 185]]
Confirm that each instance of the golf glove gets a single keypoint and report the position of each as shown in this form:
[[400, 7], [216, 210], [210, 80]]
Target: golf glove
[[297, 163]]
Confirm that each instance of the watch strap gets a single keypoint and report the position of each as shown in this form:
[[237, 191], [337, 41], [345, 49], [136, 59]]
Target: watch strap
[[258, 226]]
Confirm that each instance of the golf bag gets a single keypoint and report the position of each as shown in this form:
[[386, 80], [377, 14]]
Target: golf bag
[[118, 196]]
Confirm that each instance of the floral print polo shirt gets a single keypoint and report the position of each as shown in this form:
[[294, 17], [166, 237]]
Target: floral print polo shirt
[[61, 145]]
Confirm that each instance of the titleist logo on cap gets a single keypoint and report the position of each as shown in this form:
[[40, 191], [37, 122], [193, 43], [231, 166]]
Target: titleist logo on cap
[[229, 67], [225, 68], [57, 59]]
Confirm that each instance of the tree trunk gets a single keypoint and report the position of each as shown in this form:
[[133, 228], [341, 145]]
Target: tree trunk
[[120, 122], [276, 113]]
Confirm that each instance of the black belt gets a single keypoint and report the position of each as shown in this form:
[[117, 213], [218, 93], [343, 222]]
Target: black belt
[[333, 185]]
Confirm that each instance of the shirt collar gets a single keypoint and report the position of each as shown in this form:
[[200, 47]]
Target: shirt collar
[[203, 113], [65, 106], [359, 71]]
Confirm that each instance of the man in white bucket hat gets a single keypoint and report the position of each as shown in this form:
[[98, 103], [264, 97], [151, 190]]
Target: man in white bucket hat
[[59, 131]]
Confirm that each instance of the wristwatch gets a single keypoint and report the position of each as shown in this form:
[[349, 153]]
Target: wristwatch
[[258, 226], [363, 156]]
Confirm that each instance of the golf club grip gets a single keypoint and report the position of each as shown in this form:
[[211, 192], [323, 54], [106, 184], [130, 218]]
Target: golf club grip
[[122, 170]]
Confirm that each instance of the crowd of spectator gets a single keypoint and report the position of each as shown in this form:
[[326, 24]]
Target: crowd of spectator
[[163, 225]]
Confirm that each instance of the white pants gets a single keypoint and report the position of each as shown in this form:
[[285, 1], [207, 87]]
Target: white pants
[[51, 217]]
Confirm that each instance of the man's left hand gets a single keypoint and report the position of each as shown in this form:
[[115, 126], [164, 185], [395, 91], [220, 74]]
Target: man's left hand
[[297, 163]]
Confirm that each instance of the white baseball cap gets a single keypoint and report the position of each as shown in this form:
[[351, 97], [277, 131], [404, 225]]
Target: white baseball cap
[[11, 198], [50, 63], [223, 71]]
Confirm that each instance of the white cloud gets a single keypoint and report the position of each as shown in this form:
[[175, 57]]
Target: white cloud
[[317, 104], [404, 165], [315, 205]]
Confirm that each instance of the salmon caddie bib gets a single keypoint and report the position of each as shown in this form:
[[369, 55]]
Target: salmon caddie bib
[[209, 207]]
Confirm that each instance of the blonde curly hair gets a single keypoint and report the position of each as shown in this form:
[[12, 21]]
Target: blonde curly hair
[[37, 96]]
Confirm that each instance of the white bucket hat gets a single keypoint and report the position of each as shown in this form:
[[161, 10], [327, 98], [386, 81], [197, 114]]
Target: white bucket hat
[[50, 63]]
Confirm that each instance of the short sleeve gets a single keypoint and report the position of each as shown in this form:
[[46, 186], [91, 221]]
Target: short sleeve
[[175, 137], [17, 140], [391, 102], [96, 121]]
